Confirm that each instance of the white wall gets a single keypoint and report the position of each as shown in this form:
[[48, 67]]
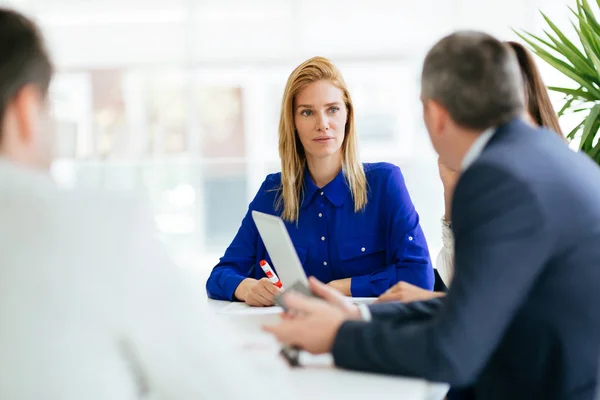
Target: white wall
[[254, 44], [100, 33]]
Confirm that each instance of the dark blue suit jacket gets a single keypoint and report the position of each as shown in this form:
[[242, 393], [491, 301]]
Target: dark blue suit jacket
[[522, 317]]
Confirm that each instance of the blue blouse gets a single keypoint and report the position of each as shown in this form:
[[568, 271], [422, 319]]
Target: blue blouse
[[376, 247]]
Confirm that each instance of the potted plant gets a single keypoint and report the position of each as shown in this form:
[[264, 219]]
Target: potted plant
[[579, 60]]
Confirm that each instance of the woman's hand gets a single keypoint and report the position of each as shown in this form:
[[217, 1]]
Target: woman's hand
[[342, 286], [406, 293], [257, 293], [449, 178]]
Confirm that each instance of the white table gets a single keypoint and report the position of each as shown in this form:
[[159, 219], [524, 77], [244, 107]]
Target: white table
[[318, 378]]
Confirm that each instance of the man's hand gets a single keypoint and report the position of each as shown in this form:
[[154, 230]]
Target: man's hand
[[259, 293], [448, 175], [342, 286], [334, 298], [314, 326], [406, 293]]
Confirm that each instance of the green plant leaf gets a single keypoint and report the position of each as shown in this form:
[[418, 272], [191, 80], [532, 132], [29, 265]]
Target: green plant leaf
[[568, 71], [583, 31], [541, 52], [590, 147], [587, 31], [576, 110], [588, 144], [573, 92], [571, 135], [532, 36], [595, 153], [559, 64], [567, 104], [590, 121], [578, 31], [591, 19], [593, 49], [589, 25], [578, 60], [562, 37]]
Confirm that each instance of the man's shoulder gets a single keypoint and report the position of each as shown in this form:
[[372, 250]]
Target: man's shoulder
[[537, 168], [536, 157], [54, 216]]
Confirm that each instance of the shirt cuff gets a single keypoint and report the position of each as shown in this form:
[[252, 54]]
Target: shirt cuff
[[365, 313], [231, 284], [361, 286], [447, 235]]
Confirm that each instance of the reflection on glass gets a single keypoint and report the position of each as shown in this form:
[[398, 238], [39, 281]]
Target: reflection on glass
[[108, 108], [70, 102], [221, 122], [166, 108], [199, 145]]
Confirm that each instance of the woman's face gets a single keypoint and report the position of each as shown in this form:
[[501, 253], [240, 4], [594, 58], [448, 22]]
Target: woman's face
[[320, 116]]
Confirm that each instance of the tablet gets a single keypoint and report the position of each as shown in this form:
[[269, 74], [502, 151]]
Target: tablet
[[283, 254]]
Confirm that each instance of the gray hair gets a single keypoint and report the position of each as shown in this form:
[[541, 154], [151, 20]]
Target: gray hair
[[476, 78]]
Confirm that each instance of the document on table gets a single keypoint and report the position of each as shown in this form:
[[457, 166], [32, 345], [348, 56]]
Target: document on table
[[362, 300], [245, 309], [238, 308]]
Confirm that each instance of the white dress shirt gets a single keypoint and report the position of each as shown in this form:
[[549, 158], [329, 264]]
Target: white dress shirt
[[92, 308]]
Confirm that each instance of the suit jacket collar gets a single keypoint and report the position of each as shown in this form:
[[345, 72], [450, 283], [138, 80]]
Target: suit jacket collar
[[477, 147], [491, 135]]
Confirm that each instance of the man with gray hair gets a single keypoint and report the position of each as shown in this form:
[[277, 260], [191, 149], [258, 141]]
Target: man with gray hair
[[521, 319]]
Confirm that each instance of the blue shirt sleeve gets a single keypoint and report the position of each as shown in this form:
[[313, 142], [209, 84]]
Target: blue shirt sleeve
[[410, 260], [241, 256]]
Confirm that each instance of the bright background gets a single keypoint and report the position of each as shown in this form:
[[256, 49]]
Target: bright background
[[179, 100]]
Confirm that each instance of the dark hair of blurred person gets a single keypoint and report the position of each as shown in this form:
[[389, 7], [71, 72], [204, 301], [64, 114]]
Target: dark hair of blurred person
[[25, 74]]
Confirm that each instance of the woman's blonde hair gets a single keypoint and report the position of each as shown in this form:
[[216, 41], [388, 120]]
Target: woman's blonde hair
[[293, 158]]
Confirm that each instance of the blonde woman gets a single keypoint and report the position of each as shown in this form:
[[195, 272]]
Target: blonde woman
[[353, 225]]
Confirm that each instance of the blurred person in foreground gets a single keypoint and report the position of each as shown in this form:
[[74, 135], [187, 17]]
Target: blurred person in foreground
[[539, 111], [90, 305], [520, 320]]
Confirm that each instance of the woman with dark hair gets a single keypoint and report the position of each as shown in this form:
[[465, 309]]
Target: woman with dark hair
[[539, 112]]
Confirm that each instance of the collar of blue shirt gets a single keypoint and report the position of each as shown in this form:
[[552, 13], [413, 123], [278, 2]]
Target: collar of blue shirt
[[336, 191]]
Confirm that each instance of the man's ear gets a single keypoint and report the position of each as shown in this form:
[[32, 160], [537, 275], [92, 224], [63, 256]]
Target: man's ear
[[438, 117], [25, 111]]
